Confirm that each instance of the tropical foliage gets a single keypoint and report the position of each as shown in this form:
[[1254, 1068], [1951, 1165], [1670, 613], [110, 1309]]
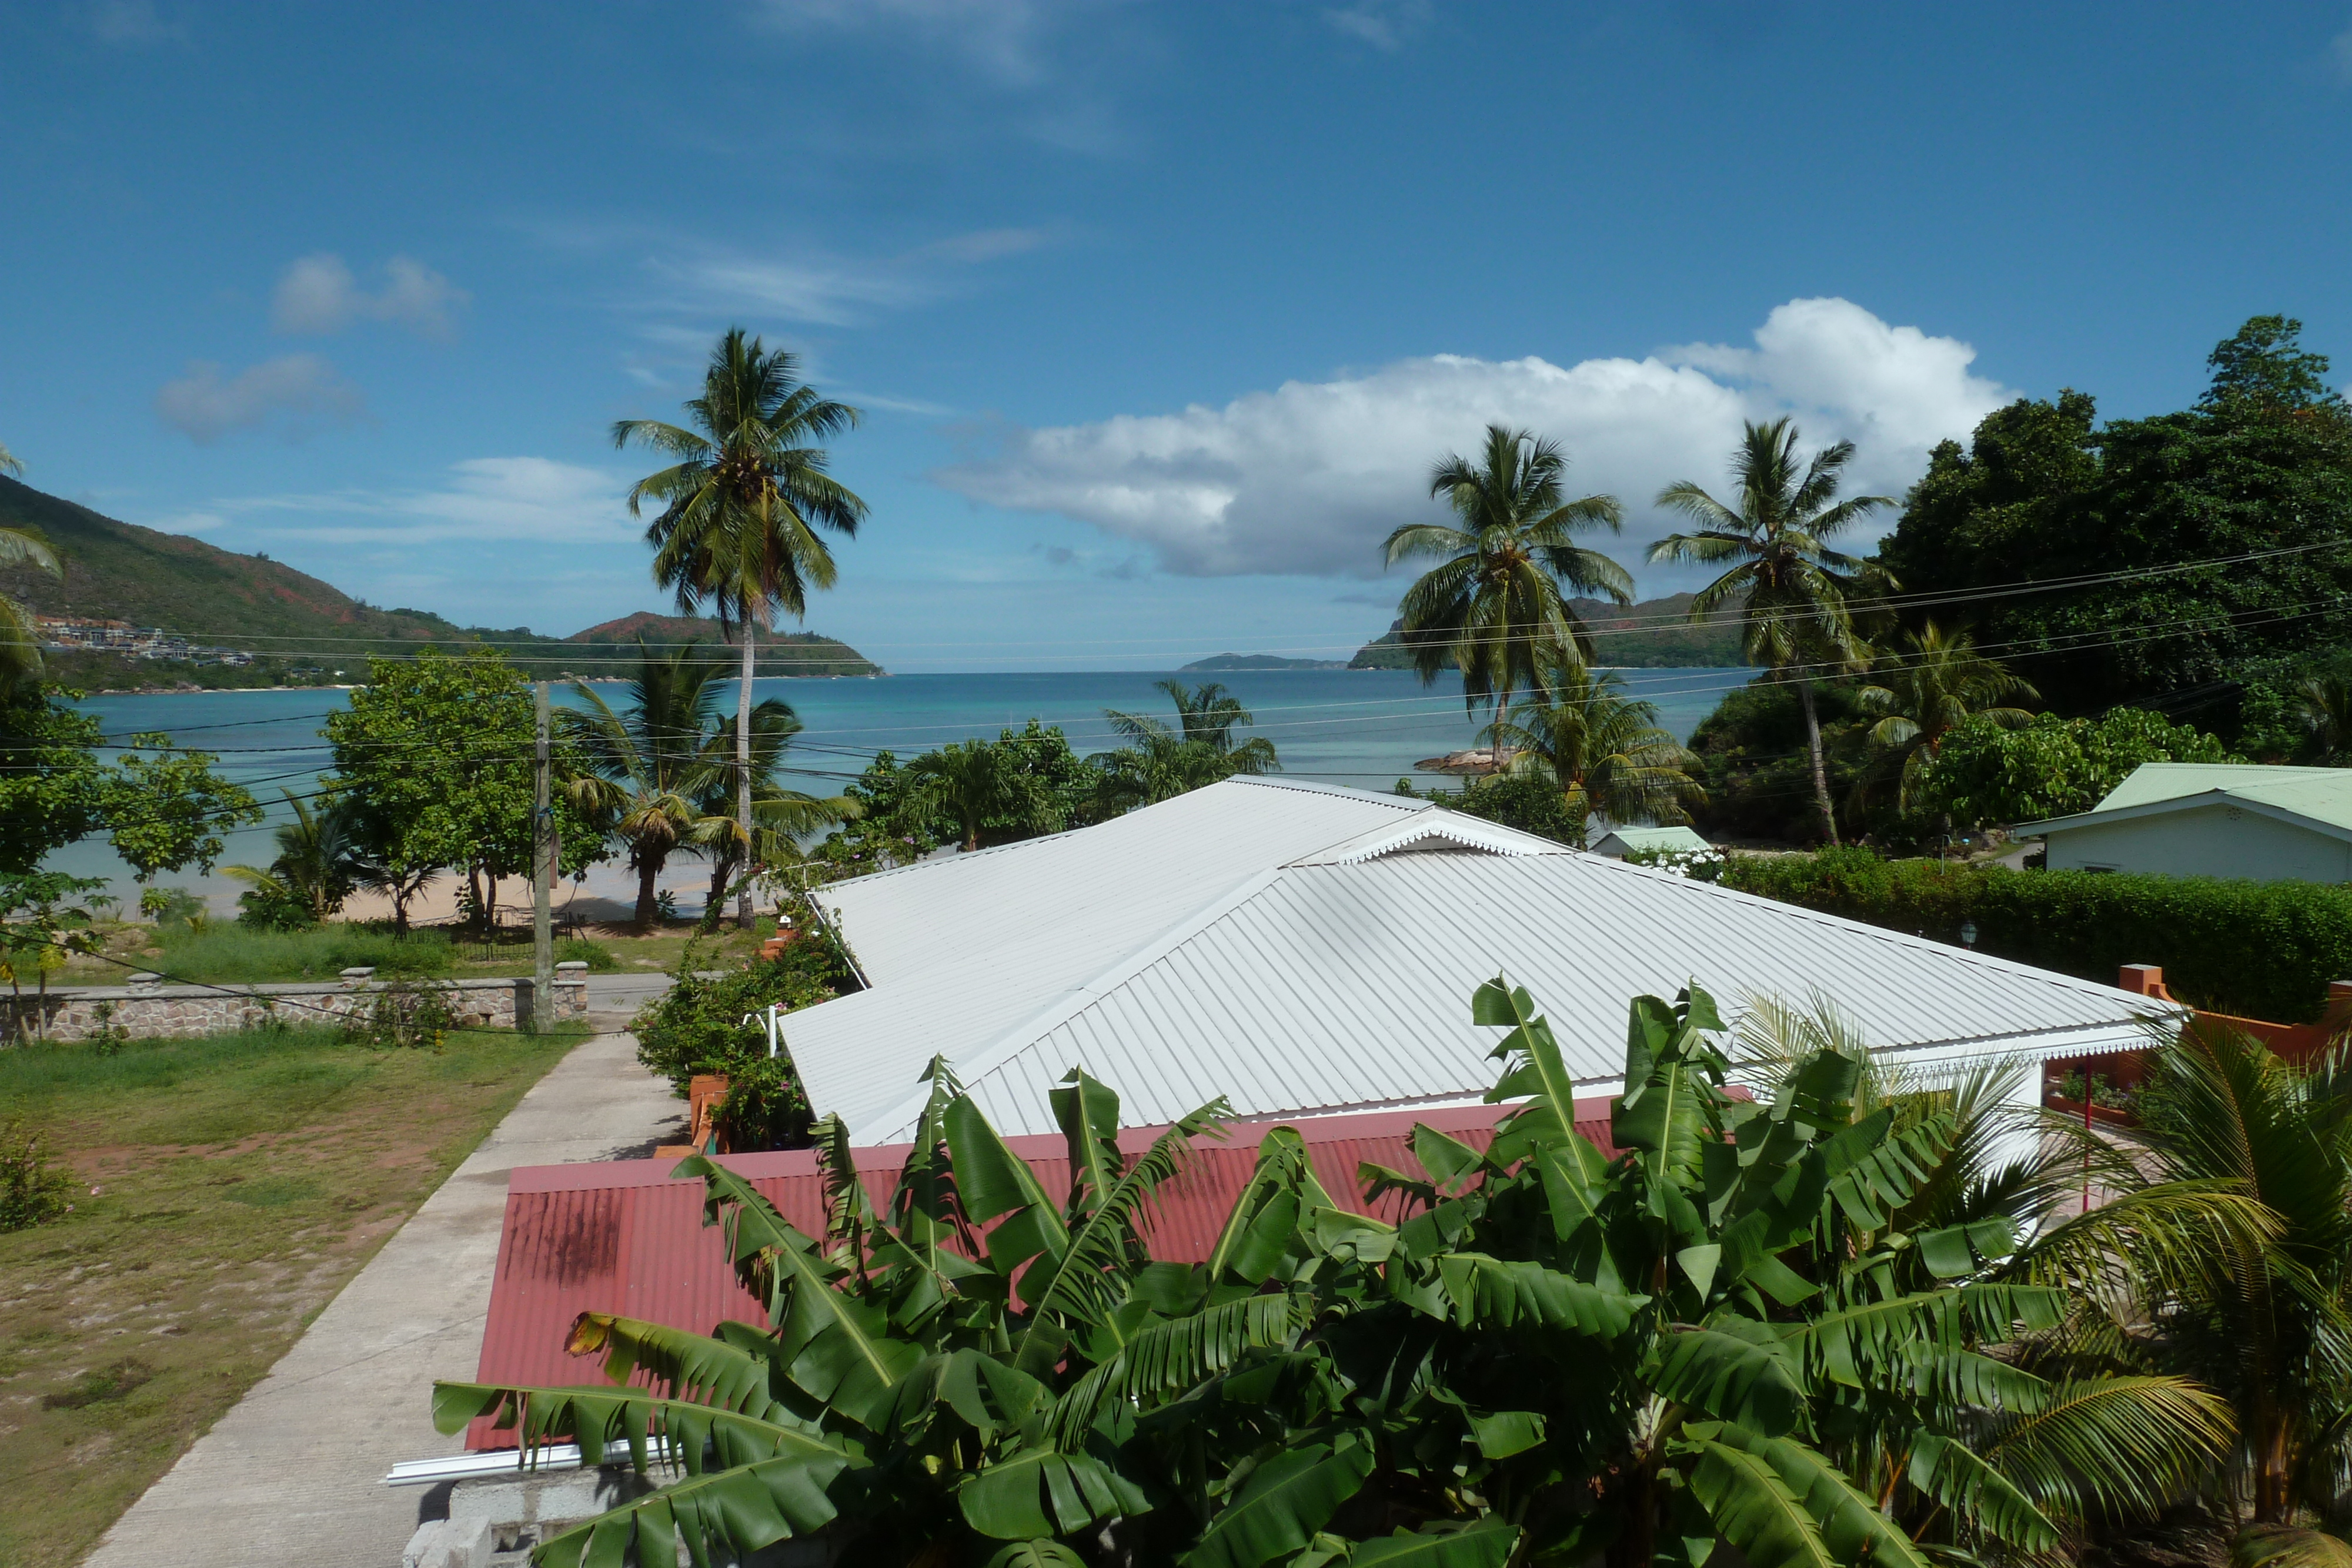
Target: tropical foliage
[[1923, 693], [322, 860], [1602, 749], [741, 504], [1777, 1326], [1159, 763], [1495, 605], [1990, 769], [1794, 589]]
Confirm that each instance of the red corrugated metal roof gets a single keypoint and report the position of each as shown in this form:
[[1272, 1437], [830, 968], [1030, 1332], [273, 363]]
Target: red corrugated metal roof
[[623, 1237]]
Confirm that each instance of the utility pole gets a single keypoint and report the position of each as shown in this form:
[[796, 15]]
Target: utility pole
[[542, 869]]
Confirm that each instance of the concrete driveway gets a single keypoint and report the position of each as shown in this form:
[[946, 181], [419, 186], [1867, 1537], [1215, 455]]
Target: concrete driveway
[[292, 1476]]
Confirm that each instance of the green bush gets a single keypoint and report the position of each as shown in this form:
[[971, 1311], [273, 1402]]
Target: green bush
[[1514, 799], [32, 1191], [2053, 766], [696, 1026], [2263, 950], [580, 950]]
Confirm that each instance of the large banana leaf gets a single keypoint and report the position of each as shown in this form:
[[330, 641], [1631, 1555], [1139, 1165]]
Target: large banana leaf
[[1264, 1219], [1087, 1112], [1169, 1357], [732, 1513], [692, 1366], [1754, 1509], [1754, 1383], [1043, 1491], [600, 1420], [1282, 1506], [1484, 1545], [1865, 1345], [991, 1180], [1489, 1292]]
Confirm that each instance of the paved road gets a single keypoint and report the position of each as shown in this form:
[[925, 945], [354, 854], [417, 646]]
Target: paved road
[[291, 1476]]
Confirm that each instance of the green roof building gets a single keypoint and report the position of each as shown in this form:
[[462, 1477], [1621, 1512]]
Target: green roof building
[[2212, 819]]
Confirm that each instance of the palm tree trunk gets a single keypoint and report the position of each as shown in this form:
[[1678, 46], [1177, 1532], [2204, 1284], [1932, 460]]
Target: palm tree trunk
[[721, 864], [648, 870], [1820, 773], [743, 763]]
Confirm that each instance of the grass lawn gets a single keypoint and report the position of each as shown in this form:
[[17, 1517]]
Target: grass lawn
[[241, 1180], [226, 952]]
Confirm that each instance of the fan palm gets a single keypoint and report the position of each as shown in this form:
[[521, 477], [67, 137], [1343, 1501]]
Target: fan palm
[[1791, 587], [20, 635], [975, 781], [1601, 748], [1497, 599], [1939, 680], [646, 767], [321, 858], [742, 504], [780, 816], [2326, 702]]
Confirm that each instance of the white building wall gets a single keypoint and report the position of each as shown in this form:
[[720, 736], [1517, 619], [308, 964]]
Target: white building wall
[[2207, 840]]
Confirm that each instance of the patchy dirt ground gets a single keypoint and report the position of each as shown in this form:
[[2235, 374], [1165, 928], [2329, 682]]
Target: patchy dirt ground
[[225, 1190]]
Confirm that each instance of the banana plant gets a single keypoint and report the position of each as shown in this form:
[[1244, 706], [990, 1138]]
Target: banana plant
[[1714, 1334]]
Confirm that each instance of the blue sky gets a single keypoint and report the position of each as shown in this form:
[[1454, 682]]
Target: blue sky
[[1160, 312]]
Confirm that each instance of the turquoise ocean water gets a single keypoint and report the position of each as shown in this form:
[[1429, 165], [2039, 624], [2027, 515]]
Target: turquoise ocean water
[[1359, 727]]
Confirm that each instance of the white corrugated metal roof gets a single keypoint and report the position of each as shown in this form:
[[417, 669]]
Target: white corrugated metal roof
[[1204, 946]]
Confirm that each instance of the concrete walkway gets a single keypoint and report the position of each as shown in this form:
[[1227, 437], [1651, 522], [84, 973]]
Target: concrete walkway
[[291, 1476]]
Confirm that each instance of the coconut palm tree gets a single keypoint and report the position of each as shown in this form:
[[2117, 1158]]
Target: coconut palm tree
[[780, 816], [20, 638], [1791, 587], [741, 506], [975, 781], [2263, 1320], [1602, 749], [1159, 763], [1937, 681], [321, 859], [1498, 596], [647, 766]]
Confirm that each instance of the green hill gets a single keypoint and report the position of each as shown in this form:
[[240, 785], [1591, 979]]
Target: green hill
[[297, 628], [1261, 662], [1652, 634]]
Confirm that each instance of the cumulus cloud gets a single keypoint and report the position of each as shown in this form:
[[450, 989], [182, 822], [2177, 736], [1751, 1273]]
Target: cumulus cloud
[[482, 500], [1309, 477], [319, 295], [296, 393]]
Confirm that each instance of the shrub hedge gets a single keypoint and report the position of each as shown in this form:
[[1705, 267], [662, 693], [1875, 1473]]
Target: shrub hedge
[[696, 1026], [2263, 950]]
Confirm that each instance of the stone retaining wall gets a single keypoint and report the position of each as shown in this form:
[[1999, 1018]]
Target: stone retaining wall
[[148, 1009]]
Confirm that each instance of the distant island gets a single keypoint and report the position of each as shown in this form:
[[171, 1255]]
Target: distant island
[[1655, 633], [145, 610], [1263, 662]]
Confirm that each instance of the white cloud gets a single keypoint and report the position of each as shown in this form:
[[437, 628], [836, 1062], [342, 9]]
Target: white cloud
[[819, 292], [1384, 24], [1308, 478], [135, 23], [296, 393], [318, 295], [483, 500]]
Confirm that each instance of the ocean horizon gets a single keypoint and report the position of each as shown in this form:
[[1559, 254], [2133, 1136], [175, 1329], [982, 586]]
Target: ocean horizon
[[1363, 728]]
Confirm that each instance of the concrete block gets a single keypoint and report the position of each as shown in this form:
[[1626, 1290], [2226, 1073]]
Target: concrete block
[[449, 1544]]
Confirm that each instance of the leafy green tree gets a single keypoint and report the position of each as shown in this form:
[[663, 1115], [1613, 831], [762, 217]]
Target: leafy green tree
[[1990, 772], [1498, 600], [2254, 482], [1602, 749], [1791, 587], [741, 506], [2327, 711], [45, 917], [975, 782], [1752, 1329], [435, 754], [1938, 682], [162, 808], [322, 860]]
